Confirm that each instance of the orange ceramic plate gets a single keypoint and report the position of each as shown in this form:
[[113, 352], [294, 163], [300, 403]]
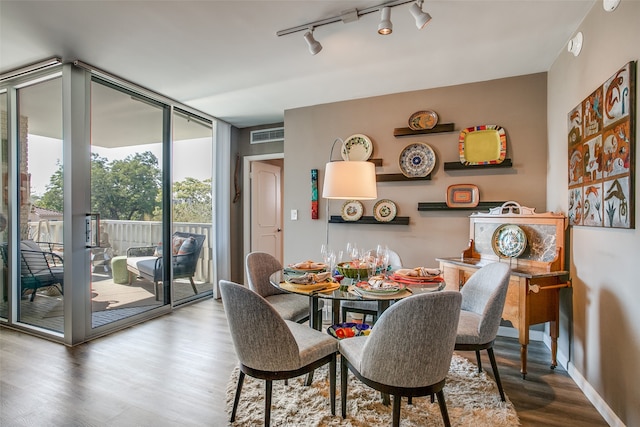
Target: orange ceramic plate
[[463, 196]]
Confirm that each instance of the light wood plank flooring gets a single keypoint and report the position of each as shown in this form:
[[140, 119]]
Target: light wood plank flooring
[[173, 371]]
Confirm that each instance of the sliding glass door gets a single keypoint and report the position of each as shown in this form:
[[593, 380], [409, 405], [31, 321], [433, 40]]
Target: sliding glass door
[[126, 196], [107, 214], [192, 209], [40, 204]]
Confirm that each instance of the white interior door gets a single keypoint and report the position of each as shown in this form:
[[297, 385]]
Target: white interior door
[[266, 209]]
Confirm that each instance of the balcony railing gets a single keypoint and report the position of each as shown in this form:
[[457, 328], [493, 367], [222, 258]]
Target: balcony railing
[[126, 234]]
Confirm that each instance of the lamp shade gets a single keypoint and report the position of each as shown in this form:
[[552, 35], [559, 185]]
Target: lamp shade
[[350, 180]]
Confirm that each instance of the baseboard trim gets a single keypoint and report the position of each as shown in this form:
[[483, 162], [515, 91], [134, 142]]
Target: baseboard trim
[[601, 406], [505, 331]]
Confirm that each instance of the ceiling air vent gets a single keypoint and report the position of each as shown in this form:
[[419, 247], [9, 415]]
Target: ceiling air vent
[[267, 135]]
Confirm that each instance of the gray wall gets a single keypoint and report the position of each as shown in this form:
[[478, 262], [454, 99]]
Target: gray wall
[[242, 147], [603, 341]]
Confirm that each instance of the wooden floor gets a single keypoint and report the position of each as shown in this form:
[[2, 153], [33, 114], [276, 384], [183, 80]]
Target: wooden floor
[[173, 371]]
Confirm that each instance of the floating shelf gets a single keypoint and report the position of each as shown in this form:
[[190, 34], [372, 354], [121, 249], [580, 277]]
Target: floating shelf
[[399, 220], [448, 166], [388, 177], [444, 127], [376, 162], [442, 206]]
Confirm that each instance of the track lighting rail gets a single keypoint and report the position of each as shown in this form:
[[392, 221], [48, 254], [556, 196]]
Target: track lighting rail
[[346, 16]]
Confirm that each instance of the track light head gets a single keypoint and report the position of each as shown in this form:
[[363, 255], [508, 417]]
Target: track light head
[[422, 18], [314, 45], [385, 27]]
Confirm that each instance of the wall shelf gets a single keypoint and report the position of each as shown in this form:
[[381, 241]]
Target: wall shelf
[[388, 177], [402, 132], [448, 166], [442, 206], [399, 220]]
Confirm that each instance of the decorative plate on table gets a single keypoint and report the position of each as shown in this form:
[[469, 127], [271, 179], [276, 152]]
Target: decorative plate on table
[[422, 120], [417, 160], [387, 288], [384, 210], [482, 145], [509, 241], [352, 210], [328, 284], [357, 147], [463, 196]]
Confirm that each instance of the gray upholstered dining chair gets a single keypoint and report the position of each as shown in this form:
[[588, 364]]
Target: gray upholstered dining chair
[[259, 266], [369, 308], [271, 348], [483, 298], [406, 361]]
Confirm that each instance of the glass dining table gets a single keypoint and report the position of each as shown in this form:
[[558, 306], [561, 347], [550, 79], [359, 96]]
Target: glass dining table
[[346, 291]]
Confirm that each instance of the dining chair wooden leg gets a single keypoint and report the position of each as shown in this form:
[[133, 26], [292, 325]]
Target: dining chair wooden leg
[[479, 361], [332, 384], [397, 399], [494, 366], [443, 408], [237, 397], [267, 403], [343, 386]]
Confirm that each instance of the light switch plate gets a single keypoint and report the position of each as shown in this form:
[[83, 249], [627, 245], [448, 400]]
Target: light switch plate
[[294, 214]]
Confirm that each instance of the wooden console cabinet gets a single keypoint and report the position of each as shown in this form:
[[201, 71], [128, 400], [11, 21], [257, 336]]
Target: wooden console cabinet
[[537, 275]]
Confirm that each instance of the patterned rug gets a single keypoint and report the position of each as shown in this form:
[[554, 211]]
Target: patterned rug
[[472, 400]]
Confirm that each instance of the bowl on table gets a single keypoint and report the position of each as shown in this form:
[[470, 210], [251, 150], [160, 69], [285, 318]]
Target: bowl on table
[[349, 269]]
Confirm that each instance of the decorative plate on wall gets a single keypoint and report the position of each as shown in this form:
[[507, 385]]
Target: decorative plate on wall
[[352, 210], [357, 147], [463, 196], [417, 160], [422, 120], [482, 145], [384, 210], [509, 241]]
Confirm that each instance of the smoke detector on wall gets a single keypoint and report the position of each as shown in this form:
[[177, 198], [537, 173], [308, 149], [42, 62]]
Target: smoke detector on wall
[[575, 44]]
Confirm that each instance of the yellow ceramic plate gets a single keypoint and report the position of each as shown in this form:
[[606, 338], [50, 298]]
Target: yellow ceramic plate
[[482, 145]]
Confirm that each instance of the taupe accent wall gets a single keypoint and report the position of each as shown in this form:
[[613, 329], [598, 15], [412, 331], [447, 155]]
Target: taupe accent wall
[[518, 104]]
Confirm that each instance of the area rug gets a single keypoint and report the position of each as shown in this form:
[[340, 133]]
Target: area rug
[[472, 400]]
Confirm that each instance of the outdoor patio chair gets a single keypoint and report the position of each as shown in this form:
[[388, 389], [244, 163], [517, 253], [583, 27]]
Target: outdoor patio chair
[[38, 268], [146, 262]]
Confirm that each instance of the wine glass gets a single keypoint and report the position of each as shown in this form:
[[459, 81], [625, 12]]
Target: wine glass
[[382, 255]]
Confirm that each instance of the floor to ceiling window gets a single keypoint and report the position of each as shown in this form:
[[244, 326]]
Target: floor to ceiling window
[[4, 206], [138, 166], [192, 209]]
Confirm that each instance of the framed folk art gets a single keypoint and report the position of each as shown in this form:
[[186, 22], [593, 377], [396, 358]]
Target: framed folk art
[[601, 158]]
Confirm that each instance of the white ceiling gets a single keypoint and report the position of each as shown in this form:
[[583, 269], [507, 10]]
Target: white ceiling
[[224, 58]]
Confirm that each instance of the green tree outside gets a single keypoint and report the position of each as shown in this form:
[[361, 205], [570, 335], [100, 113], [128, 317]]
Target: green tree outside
[[130, 189]]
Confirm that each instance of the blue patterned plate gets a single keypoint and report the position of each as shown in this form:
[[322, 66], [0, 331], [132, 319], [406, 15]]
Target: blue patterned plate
[[417, 160]]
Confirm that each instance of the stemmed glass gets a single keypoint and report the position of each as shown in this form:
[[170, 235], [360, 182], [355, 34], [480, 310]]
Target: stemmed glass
[[382, 256]]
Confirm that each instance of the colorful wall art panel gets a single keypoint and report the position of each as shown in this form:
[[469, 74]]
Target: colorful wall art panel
[[601, 141]]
